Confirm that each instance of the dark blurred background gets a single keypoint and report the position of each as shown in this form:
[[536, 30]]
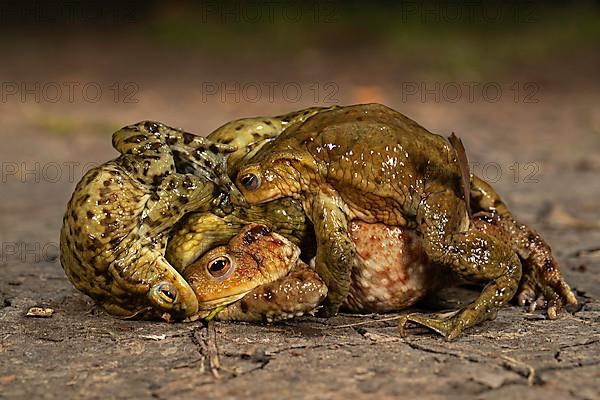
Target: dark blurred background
[[518, 81]]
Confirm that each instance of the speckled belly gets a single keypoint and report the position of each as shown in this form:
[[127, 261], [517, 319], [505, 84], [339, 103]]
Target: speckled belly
[[395, 271]]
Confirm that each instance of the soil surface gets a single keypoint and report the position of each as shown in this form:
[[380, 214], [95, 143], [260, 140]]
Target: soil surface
[[543, 156]]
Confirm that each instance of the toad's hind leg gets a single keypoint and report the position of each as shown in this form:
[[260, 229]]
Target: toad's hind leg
[[471, 253], [541, 272]]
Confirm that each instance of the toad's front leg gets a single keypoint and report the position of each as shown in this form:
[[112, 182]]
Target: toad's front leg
[[144, 270], [177, 195], [472, 254], [336, 252]]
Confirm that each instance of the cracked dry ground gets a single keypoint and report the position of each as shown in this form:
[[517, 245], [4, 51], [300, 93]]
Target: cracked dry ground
[[80, 351]]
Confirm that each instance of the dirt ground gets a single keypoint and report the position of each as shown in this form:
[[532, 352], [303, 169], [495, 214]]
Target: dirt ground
[[541, 152]]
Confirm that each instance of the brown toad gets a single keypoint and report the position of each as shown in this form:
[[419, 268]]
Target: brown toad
[[371, 163], [257, 276]]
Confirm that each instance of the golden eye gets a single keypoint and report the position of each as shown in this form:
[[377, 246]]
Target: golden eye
[[219, 266], [250, 181], [167, 292]]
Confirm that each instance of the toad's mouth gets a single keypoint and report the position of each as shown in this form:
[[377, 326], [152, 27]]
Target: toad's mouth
[[224, 301], [208, 309]]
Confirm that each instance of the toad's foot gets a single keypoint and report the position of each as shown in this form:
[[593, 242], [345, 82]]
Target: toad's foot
[[449, 327], [553, 299], [495, 294], [543, 285]]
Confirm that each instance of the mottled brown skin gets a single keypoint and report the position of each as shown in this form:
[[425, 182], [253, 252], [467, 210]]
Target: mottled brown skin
[[116, 226], [371, 163], [264, 280], [257, 276], [393, 272]]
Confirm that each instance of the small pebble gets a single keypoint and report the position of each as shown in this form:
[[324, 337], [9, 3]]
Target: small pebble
[[40, 312]]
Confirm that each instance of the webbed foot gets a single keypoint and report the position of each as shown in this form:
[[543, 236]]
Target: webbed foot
[[449, 326]]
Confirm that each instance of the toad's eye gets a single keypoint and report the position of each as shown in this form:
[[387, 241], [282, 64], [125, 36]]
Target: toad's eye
[[219, 266], [250, 181], [167, 292]]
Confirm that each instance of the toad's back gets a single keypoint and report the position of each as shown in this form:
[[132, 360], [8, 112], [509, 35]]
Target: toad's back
[[377, 159]]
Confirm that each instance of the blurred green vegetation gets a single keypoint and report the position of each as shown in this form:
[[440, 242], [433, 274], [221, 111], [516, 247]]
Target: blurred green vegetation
[[439, 37], [445, 37]]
